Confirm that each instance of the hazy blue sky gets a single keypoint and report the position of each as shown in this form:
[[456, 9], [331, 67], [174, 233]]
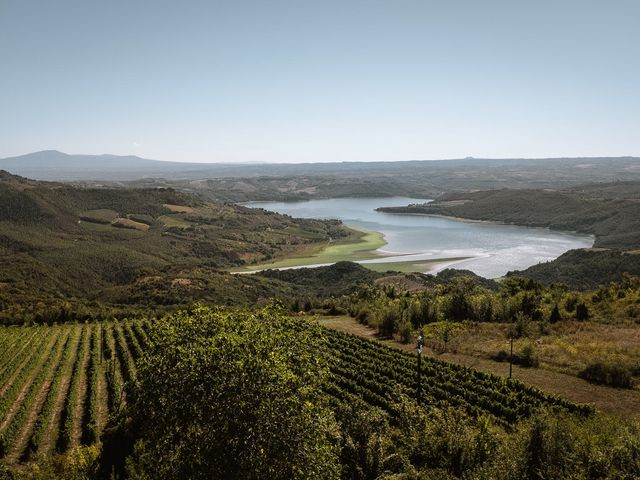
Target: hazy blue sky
[[320, 80]]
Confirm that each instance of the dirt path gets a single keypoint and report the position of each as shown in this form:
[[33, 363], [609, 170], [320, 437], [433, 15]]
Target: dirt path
[[38, 402], [613, 401], [52, 431]]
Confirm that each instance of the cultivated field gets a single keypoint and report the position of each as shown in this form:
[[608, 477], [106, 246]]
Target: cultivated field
[[59, 384]]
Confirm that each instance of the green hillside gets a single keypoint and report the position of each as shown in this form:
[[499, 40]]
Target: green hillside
[[608, 211], [136, 247]]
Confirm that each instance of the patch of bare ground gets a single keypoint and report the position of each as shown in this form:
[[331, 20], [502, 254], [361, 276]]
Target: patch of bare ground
[[132, 224], [612, 401], [52, 430], [408, 282], [38, 402], [178, 208], [43, 354]]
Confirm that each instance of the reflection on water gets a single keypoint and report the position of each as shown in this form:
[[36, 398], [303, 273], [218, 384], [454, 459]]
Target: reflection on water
[[495, 249]]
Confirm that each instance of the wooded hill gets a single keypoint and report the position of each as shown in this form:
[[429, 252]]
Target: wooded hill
[[609, 211], [137, 246]]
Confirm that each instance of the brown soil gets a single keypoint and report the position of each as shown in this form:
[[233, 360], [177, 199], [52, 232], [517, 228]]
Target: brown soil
[[126, 223], [103, 406], [178, 208]]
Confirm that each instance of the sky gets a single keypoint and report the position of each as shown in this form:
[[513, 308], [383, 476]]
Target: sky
[[309, 81]]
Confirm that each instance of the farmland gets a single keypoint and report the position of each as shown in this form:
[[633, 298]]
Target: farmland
[[60, 383]]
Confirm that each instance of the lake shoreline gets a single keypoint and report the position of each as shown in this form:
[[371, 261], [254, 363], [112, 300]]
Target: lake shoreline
[[420, 242], [489, 222]]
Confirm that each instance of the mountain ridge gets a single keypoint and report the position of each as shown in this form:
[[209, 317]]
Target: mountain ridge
[[60, 166]]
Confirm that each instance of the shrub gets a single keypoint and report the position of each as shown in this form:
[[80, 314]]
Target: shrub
[[528, 357], [582, 312], [555, 314], [520, 327], [607, 374], [389, 321], [405, 330], [239, 397]]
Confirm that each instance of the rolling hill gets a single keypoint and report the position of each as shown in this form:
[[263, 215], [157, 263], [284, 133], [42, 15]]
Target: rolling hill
[[134, 248]]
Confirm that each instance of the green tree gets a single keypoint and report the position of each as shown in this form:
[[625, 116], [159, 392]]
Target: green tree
[[390, 317], [233, 394], [555, 316], [582, 312]]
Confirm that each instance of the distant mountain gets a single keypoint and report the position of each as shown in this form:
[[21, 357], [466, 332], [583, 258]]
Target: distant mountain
[[54, 165]]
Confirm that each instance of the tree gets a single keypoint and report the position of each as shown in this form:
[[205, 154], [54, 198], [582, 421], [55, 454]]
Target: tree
[[458, 307], [582, 312], [555, 317], [233, 394], [389, 321]]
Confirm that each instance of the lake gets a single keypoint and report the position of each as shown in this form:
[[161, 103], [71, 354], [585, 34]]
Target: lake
[[432, 243]]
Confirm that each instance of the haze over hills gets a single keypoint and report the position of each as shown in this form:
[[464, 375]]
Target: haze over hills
[[55, 165]]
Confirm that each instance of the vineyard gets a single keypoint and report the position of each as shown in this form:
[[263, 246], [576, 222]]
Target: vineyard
[[60, 383], [369, 371]]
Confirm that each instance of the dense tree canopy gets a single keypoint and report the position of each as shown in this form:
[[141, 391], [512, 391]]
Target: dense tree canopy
[[233, 394]]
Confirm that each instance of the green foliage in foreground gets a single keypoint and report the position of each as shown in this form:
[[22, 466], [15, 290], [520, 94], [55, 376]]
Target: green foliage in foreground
[[240, 394], [232, 395]]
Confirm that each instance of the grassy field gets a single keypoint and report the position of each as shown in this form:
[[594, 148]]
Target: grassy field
[[361, 245], [173, 221], [568, 347]]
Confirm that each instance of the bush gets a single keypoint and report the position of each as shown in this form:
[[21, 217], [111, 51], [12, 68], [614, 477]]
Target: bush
[[521, 326], [405, 330], [528, 357], [389, 321], [239, 397], [501, 356], [607, 374], [555, 314], [582, 312]]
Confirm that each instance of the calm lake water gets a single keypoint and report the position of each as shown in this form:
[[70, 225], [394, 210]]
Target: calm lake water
[[495, 249]]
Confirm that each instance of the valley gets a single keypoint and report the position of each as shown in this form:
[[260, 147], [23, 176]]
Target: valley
[[109, 277]]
